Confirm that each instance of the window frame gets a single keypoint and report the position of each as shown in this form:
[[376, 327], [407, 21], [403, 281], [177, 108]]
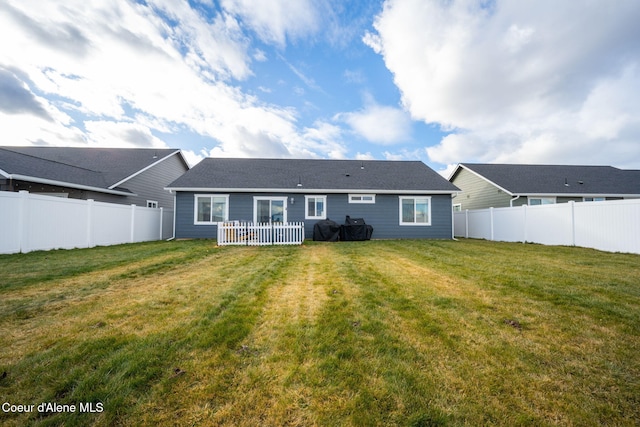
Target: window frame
[[594, 199], [152, 204], [353, 198], [306, 206], [211, 197], [414, 198], [283, 199], [550, 200]]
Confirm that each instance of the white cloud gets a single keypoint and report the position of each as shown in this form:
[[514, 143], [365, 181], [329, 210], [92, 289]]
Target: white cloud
[[192, 157], [113, 74], [527, 81], [120, 134], [373, 41], [275, 21], [404, 154], [364, 156], [321, 139], [379, 124], [27, 130]]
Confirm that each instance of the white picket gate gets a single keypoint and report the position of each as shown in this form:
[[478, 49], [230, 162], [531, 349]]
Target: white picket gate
[[260, 234]]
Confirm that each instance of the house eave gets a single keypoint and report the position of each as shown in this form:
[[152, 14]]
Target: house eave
[[68, 184], [302, 190]]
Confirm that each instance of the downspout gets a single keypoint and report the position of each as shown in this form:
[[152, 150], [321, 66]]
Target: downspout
[[174, 218], [513, 200], [453, 219]]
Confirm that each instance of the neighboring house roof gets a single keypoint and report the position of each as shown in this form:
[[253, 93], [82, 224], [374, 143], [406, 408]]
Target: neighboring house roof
[[303, 175], [556, 180], [97, 169]]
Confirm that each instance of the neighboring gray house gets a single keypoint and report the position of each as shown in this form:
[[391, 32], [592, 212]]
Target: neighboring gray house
[[504, 185], [400, 199], [115, 175]]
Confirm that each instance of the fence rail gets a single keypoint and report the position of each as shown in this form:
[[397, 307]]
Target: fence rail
[[612, 226], [260, 234], [33, 222]]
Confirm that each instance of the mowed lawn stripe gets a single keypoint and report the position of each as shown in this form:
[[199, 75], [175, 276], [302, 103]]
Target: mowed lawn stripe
[[275, 356], [38, 268], [211, 351], [537, 345], [66, 280], [119, 351], [36, 316]]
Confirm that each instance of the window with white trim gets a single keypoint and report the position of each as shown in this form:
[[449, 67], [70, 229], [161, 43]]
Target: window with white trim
[[457, 207], [152, 204], [415, 210], [315, 207], [362, 198], [269, 209], [595, 199], [211, 208], [537, 201]]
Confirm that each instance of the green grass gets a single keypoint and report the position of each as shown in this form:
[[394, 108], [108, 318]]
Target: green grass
[[413, 333]]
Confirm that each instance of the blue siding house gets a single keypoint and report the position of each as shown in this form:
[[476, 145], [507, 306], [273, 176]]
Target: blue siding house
[[400, 199]]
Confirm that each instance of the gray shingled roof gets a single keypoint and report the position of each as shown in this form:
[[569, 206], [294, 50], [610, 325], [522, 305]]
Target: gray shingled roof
[[559, 179], [313, 174], [99, 168]]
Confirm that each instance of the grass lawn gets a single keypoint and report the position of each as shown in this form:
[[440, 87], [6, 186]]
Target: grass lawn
[[364, 333]]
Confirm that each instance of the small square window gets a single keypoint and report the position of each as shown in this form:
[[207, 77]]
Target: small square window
[[152, 204]]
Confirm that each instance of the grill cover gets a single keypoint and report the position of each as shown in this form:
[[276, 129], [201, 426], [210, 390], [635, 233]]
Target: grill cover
[[326, 231], [355, 229]]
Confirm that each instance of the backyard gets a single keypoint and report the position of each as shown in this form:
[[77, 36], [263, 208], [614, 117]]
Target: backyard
[[398, 332]]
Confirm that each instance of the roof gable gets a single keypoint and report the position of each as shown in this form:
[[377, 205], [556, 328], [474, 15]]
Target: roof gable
[[556, 179], [299, 175]]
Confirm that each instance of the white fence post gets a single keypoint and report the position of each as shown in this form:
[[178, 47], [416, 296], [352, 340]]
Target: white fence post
[[466, 223], [24, 222], [491, 220], [161, 223], [133, 223], [89, 223], [572, 212], [524, 223]]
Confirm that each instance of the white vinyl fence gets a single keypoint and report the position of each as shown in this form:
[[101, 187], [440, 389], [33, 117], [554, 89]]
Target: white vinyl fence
[[612, 226], [260, 234], [31, 222]]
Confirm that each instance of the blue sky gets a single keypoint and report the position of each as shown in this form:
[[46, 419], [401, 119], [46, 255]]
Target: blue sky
[[532, 81]]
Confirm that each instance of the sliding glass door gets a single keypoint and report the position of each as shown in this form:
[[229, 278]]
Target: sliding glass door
[[270, 209]]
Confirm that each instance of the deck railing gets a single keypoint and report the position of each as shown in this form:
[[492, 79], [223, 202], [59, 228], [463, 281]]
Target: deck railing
[[260, 234]]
